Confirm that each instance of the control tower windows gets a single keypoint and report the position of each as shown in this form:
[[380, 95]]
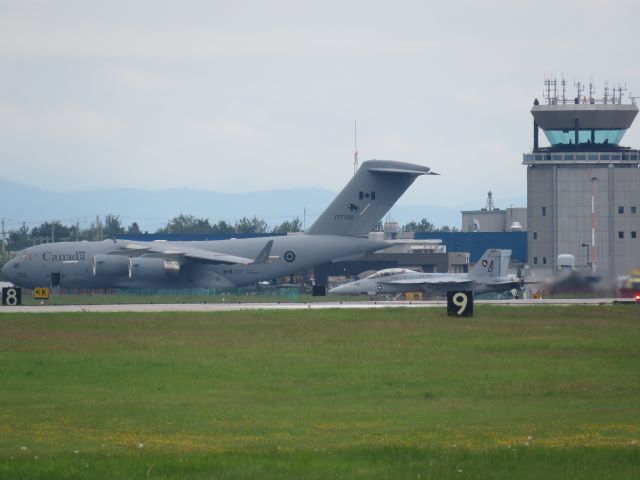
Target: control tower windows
[[585, 137]]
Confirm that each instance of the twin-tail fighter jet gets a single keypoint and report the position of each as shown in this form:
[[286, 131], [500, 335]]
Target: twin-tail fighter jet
[[488, 275], [339, 233]]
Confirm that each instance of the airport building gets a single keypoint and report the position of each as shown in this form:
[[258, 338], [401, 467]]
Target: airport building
[[492, 219], [583, 189]]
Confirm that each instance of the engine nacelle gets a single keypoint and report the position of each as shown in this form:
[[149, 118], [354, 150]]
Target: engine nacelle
[[110, 265], [144, 267]]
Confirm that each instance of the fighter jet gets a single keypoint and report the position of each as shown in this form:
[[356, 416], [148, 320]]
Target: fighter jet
[[488, 275], [339, 233]]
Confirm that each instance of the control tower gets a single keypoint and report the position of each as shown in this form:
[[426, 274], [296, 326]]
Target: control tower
[[583, 189]]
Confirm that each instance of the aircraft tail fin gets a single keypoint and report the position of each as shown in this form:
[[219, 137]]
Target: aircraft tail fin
[[493, 264], [368, 196]]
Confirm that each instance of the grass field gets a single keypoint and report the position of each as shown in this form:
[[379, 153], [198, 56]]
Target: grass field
[[527, 392], [175, 297]]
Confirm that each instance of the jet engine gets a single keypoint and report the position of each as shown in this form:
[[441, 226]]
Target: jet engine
[[144, 267], [110, 265]]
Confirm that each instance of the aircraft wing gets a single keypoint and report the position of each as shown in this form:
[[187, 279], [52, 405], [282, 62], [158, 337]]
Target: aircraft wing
[[188, 253], [198, 255], [515, 283], [425, 282]]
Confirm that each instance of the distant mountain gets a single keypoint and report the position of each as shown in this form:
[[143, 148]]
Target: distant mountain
[[153, 209]]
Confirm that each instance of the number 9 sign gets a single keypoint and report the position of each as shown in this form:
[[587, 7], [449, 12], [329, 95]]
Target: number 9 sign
[[460, 304]]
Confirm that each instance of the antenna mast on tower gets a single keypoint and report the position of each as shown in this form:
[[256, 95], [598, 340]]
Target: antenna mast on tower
[[579, 89], [490, 205]]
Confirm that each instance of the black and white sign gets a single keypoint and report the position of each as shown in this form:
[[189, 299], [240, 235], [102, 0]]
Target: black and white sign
[[460, 304], [11, 296]]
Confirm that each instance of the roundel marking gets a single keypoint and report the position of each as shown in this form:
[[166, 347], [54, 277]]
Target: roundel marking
[[484, 263], [289, 256], [379, 287]]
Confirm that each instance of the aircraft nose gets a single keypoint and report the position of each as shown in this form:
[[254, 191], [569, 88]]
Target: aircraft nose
[[7, 270], [340, 289], [345, 289]]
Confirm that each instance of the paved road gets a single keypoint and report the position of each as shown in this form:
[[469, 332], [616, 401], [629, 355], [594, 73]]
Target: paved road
[[225, 307]]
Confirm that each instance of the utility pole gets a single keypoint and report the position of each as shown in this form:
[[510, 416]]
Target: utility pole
[[594, 260], [2, 242], [53, 235], [77, 230]]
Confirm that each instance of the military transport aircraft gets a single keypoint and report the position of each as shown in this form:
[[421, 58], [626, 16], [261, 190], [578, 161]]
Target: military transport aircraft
[[488, 275], [338, 233]]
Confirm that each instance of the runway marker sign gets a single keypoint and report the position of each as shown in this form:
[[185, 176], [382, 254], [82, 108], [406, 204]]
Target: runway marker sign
[[11, 296], [460, 304], [41, 293]]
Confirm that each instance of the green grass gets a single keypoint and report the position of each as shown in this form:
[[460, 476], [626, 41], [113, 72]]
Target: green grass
[[174, 297], [526, 392]]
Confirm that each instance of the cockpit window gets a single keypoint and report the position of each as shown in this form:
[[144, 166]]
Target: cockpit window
[[388, 272]]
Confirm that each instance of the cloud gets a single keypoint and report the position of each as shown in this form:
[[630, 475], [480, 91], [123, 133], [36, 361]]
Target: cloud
[[24, 36], [66, 122], [234, 130], [240, 96]]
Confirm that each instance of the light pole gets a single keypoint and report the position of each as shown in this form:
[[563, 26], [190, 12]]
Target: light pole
[[593, 224]]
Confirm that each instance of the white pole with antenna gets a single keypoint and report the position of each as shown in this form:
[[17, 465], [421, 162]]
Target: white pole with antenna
[[355, 146]]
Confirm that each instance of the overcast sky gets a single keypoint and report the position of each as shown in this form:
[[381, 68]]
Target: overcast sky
[[255, 95]]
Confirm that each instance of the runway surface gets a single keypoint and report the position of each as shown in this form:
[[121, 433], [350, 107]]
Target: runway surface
[[225, 307]]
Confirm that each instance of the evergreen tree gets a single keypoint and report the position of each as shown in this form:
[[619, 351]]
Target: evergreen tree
[[254, 225], [287, 226], [187, 224], [423, 225], [134, 229], [19, 239], [43, 232], [112, 226]]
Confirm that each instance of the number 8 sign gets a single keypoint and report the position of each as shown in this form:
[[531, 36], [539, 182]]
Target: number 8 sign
[[11, 296], [460, 304]]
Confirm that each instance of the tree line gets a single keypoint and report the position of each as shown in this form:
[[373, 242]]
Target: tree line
[[111, 227]]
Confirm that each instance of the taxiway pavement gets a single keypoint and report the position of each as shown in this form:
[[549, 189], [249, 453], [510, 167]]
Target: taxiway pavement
[[227, 307]]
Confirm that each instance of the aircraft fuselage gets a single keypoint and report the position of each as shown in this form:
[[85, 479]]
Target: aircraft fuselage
[[71, 264]]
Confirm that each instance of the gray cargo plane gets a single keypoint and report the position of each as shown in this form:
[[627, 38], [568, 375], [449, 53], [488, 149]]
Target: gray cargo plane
[[336, 235], [488, 275]]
